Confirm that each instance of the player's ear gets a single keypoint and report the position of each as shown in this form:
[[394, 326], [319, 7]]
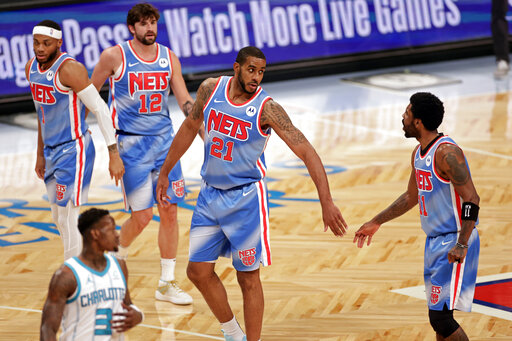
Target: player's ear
[[95, 233], [236, 67], [131, 28]]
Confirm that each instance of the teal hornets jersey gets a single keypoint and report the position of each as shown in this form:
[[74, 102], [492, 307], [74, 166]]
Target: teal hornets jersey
[[439, 202], [234, 141], [139, 92], [59, 109], [98, 295]]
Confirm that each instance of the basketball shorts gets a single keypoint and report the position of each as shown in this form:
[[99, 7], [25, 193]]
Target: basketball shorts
[[451, 284], [68, 170], [143, 156], [232, 223]]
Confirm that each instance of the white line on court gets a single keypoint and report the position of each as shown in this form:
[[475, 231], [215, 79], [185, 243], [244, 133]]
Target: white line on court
[[419, 292], [400, 134], [141, 325]]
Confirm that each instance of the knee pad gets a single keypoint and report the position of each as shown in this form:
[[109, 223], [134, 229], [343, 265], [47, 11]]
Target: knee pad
[[443, 322]]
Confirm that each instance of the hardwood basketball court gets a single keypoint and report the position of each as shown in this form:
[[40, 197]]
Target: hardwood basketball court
[[319, 287]]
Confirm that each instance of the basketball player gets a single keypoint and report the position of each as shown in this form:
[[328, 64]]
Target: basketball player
[[88, 294], [441, 183], [231, 215], [60, 88], [140, 72]]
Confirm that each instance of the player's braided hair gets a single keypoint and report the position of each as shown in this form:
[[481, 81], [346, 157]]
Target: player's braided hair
[[428, 108], [89, 218]]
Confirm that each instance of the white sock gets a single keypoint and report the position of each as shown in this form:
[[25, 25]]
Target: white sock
[[167, 266], [232, 328]]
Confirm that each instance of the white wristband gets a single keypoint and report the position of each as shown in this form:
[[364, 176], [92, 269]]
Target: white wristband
[[134, 307]]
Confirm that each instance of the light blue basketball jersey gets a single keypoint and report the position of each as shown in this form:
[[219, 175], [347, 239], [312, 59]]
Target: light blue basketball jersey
[[139, 92], [59, 109], [234, 141], [439, 202], [88, 312]]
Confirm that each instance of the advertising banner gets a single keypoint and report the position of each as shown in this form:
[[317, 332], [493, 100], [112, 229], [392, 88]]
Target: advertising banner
[[206, 35]]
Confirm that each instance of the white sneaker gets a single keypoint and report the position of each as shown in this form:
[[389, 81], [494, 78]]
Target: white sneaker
[[230, 338], [170, 291], [502, 68]]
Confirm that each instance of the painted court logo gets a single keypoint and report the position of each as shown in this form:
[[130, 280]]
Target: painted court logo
[[179, 188], [435, 293], [60, 191], [248, 257]]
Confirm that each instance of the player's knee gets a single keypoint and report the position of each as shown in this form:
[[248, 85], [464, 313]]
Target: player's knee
[[443, 322], [63, 223], [248, 280], [141, 219], [195, 275]]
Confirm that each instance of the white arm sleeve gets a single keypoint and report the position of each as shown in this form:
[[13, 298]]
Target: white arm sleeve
[[92, 100]]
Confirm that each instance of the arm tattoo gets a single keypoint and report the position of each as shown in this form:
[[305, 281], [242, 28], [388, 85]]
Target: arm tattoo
[[273, 115], [396, 209], [457, 170], [112, 148], [187, 108], [203, 94]]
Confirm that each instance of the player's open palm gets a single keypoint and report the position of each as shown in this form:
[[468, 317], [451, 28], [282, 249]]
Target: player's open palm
[[333, 219], [366, 231]]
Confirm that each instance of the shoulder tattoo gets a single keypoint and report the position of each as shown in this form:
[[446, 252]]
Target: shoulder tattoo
[[456, 166], [203, 94]]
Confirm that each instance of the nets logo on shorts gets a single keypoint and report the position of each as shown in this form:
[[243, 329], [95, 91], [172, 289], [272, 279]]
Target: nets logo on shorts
[[60, 191], [247, 256], [434, 295], [178, 188]]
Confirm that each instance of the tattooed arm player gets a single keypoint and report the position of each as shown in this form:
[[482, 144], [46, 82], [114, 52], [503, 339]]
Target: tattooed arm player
[[275, 117]]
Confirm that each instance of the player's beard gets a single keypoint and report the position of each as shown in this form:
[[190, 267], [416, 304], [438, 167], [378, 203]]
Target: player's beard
[[51, 57], [409, 130], [147, 41], [242, 85]]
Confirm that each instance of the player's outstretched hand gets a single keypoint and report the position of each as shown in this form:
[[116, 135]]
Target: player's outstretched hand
[[366, 231], [129, 318], [116, 167], [161, 191], [333, 219], [40, 166]]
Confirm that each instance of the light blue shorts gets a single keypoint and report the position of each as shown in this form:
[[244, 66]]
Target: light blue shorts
[[143, 156], [68, 170], [451, 284], [232, 223]]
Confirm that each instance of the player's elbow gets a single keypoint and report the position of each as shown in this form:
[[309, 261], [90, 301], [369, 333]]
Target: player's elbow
[[47, 333], [474, 198]]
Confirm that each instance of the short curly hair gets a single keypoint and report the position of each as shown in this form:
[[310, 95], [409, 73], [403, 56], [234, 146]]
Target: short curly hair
[[141, 11], [89, 218], [428, 108]]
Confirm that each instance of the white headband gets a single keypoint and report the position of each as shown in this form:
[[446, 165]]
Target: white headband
[[47, 31]]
